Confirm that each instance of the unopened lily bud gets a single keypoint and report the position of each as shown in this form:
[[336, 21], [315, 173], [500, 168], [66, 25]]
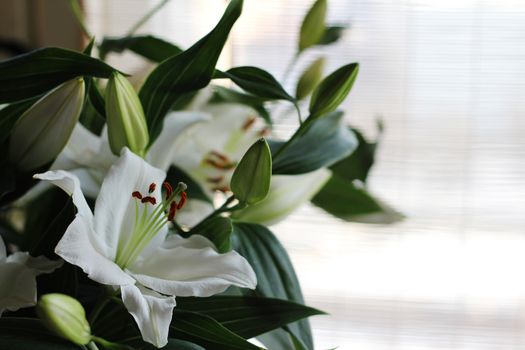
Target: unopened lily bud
[[65, 316], [43, 130], [125, 117]]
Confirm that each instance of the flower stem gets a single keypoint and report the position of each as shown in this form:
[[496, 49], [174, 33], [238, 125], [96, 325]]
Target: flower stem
[[92, 346], [146, 17], [77, 11]]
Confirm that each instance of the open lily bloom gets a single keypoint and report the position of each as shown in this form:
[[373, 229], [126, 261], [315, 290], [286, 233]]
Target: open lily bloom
[[18, 273], [209, 152], [125, 244]]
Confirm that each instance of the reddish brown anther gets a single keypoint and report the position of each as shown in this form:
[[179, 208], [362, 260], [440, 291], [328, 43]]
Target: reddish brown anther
[[168, 189], [215, 180], [265, 131], [182, 201], [220, 156], [173, 211], [149, 199], [221, 188], [248, 123], [136, 194], [152, 187]]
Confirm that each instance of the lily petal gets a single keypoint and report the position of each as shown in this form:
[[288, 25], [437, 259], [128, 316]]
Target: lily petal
[[287, 193], [70, 184], [18, 279], [114, 208], [77, 247], [151, 311], [163, 151], [193, 212], [192, 267]]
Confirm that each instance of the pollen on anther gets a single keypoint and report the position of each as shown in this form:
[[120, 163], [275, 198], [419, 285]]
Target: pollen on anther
[[136, 194], [182, 201], [149, 199], [152, 187]]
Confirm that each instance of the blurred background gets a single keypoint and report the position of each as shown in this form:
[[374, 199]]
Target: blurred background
[[447, 78]]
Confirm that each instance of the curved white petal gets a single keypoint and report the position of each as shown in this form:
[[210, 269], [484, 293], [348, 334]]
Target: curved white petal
[[192, 267], [18, 279], [193, 212], [164, 150], [151, 311], [287, 193], [114, 208], [78, 247], [39, 264], [17, 287], [71, 185]]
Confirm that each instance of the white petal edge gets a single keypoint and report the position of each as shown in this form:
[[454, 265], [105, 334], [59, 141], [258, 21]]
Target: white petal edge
[[77, 248], [287, 193], [70, 184], [152, 312], [192, 267], [18, 279]]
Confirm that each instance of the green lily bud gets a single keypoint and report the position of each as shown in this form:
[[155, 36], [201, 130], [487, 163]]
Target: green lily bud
[[251, 179], [310, 78], [41, 133], [65, 316], [125, 117], [332, 91]]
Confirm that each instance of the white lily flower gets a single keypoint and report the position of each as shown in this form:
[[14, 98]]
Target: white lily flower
[[287, 193], [125, 244], [18, 273]]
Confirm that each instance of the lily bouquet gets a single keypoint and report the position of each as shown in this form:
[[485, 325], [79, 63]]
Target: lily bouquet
[[135, 219]]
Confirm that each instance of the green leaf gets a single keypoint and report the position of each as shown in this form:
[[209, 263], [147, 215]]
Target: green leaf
[[45, 214], [217, 229], [250, 181], [248, 316], [222, 94], [333, 90], [36, 72], [357, 165], [185, 72], [310, 78], [194, 190], [206, 331], [331, 35], [46, 243], [27, 333], [348, 201], [257, 82], [276, 277], [147, 46], [324, 142], [313, 26]]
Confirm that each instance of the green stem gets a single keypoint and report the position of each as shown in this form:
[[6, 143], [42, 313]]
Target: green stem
[[146, 17], [77, 11], [304, 126], [92, 346], [223, 208], [95, 313], [289, 68]]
